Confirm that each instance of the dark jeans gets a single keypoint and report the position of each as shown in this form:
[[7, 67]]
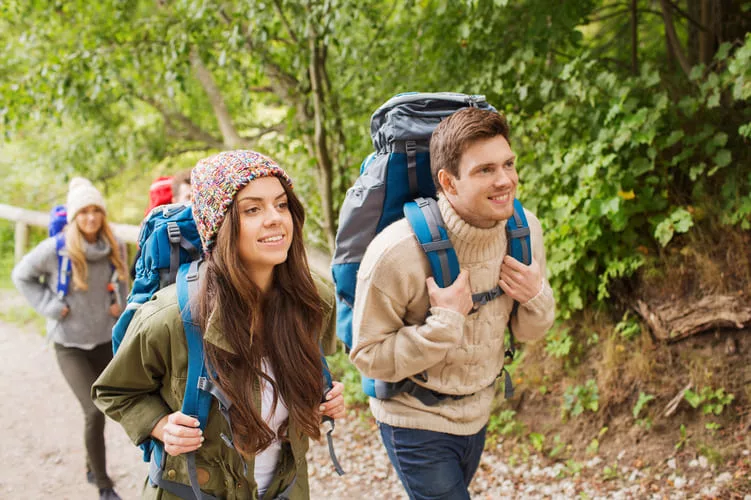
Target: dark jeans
[[81, 368], [433, 465]]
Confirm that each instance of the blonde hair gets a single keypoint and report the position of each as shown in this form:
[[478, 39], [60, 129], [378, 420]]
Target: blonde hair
[[74, 246]]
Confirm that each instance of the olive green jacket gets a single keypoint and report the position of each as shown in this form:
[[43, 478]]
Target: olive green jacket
[[146, 381]]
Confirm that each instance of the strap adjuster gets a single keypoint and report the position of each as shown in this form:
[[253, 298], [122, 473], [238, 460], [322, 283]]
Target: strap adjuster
[[173, 231]]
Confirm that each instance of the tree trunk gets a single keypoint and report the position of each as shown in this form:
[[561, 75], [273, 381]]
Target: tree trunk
[[694, 32], [667, 16], [634, 38], [320, 139], [676, 320], [706, 38], [231, 138]]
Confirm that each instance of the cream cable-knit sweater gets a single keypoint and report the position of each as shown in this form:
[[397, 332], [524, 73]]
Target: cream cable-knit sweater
[[393, 340]]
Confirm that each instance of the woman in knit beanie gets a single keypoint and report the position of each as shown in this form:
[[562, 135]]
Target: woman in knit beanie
[[84, 283], [264, 318]]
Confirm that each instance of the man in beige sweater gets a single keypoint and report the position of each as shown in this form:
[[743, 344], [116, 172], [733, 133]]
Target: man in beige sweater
[[405, 326]]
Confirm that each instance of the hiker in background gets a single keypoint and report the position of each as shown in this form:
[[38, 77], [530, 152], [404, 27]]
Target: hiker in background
[[181, 192], [163, 191], [85, 283], [405, 326], [263, 315]]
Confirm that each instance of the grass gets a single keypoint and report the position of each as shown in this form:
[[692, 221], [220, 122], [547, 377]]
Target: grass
[[24, 316]]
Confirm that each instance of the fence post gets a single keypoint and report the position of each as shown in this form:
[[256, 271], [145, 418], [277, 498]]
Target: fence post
[[21, 240]]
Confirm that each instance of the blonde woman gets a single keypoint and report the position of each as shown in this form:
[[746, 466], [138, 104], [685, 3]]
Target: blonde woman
[[80, 319]]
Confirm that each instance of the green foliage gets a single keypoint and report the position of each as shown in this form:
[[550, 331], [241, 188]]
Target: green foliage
[[711, 401], [503, 423], [610, 472], [537, 440], [628, 328], [558, 342], [679, 221], [344, 371], [641, 403], [683, 439], [616, 161], [559, 446], [594, 446], [580, 398]]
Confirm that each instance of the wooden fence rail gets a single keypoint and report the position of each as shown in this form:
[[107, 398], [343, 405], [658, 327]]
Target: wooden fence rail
[[128, 233]]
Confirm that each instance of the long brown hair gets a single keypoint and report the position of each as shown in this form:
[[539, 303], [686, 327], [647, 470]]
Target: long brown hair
[[74, 247], [282, 325]]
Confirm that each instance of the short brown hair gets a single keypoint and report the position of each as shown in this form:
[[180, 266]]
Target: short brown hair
[[457, 132], [178, 179]]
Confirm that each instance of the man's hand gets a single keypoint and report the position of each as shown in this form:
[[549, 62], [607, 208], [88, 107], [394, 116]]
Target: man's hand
[[179, 433], [457, 296], [519, 281]]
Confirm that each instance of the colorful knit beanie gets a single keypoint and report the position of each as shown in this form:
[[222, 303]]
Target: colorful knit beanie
[[216, 180], [81, 194]]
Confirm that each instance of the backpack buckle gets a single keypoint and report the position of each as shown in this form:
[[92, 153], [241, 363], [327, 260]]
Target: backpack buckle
[[173, 231]]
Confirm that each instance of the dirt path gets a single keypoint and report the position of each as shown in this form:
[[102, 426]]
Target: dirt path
[[43, 451]]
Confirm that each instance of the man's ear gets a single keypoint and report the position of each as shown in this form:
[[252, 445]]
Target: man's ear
[[446, 180]]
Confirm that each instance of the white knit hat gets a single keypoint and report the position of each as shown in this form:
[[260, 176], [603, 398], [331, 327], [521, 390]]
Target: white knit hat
[[81, 194]]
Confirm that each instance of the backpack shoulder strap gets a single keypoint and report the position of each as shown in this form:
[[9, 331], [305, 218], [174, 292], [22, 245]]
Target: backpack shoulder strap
[[520, 248], [196, 402], [328, 385], [63, 266], [425, 218]]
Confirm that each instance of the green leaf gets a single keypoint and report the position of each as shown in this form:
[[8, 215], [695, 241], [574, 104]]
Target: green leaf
[[682, 220], [722, 158], [537, 440], [693, 398], [664, 232], [675, 136]]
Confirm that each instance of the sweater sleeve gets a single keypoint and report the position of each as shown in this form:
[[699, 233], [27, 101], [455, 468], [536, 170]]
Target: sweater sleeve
[[40, 262], [535, 317], [384, 347], [128, 390]]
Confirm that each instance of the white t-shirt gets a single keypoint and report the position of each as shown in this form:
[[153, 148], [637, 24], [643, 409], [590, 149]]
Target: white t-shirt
[[267, 460]]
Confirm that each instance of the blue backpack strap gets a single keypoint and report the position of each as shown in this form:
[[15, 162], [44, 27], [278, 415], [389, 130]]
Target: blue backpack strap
[[520, 248], [517, 233], [196, 402], [63, 266], [425, 218]]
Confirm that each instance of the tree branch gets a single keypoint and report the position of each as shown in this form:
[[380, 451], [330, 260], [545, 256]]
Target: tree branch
[[283, 84], [229, 133], [279, 127], [287, 26], [667, 17], [688, 17], [192, 131]]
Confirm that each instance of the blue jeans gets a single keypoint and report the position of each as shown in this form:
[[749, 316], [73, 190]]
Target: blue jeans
[[433, 465]]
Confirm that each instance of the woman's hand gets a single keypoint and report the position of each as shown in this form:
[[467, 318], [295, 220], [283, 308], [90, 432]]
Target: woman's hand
[[179, 433], [115, 310], [334, 405], [64, 312]]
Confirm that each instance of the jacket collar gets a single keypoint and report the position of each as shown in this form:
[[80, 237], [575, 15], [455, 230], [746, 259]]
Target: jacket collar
[[214, 334]]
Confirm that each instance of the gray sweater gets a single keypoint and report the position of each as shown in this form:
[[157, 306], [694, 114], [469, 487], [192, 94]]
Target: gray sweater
[[89, 321]]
